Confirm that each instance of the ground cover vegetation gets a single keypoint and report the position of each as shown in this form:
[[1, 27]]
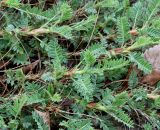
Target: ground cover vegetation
[[79, 64]]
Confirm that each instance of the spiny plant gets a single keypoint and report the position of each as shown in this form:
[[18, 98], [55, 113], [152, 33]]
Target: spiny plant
[[77, 64]]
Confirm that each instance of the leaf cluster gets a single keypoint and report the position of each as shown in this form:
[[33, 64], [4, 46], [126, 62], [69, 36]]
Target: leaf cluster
[[85, 78]]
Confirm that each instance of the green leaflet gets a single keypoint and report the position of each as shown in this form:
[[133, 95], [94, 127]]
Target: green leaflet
[[123, 30], [107, 3], [140, 62], [18, 104], [115, 64], [97, 50], [84, 86], [2, 123], [133, 79], [136, 13], [121, 116], [13, 3], [40, 122], [112, 104], [64, 31], [56, 52], [59, 13], [65, 11], [147, 126], [152, 9], [141, 42], [116, 113], [85, 24], [89, 58], [78, 124], [154, 33]]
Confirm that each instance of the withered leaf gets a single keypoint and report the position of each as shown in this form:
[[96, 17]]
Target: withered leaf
[[30, 67], [67, 102], [152, 55], [152, 78], [38, 31], [45, 116]]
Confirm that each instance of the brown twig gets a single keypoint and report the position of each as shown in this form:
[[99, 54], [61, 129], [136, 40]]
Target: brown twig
[[151, 96], [1, 33]]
